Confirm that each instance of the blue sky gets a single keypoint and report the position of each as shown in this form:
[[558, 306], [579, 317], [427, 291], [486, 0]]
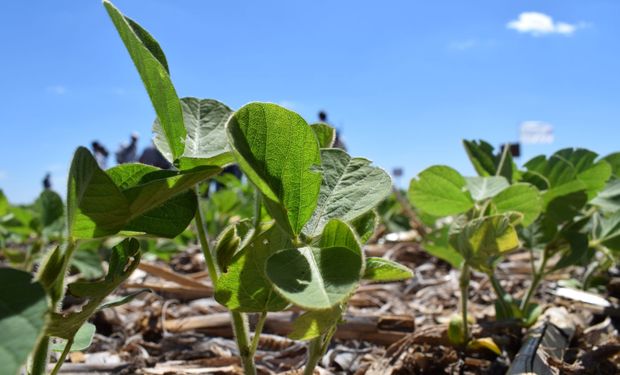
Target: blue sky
[[405, 81]]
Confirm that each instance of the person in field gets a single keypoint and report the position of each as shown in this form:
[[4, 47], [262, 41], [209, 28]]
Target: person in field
[[127, 152]]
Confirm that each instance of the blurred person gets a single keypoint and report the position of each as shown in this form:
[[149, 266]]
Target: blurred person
[[152, 156], [127, 152], [101, 154], [47, 181]]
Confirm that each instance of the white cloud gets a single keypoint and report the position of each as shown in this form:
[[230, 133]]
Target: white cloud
[[538, 24], [57, 89], [463, 44]]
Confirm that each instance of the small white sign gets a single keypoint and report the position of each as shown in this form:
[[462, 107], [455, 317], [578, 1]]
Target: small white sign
[[536, 132]]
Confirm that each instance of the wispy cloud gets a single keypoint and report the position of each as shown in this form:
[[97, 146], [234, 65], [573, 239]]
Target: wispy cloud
[[56, 89], [463, 45], [538, 24]]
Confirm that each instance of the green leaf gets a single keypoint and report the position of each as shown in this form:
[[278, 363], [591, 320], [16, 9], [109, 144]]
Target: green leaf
[[313, 324], [614, 163], [159, 201], [609, 198], [381, 269], [167, 220], [319, 278], [607, 230], [479, 240], [23, 306], [485, 161], [206, 143], [153, 69], [574, 252], [49, 206], [351, 187], [87, 260], [95, 205], [226, 246], [523, 198], [279, 153], [482, 188], [565, 207], [124, 299], [123, 261], [325, 134], [81, 341], [244, 286], [365, 225], [440, 191], [4, 204], [445, 253]]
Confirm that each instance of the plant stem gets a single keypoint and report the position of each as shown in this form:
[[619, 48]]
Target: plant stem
[[464, 285], [62, 357], [315, 352], [503, 159], [204, 243], [39, 357], [500, 292], [538, 275], [257, 331], [240, 328]]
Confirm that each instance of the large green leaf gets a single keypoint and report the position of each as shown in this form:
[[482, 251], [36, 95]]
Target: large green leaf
[[325, 134], [150, 62], [23, 306], [159, 201], [381, 269], [482, 239], [482, 188], [95, 205], [440, 191], [206, 142], [123, 261], [244, 286], [279, 153], [570, 170], [437, 243], [318, 278], [521, 197], [312, 324], [351, 187]]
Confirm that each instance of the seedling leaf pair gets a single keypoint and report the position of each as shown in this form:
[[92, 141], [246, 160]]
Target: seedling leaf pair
[[130, 197]]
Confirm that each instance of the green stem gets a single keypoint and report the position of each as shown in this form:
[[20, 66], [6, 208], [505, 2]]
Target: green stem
[[464, 285], [257, 331], [538, 276], [62, 357], [499, 291], [39, 357], [315, 352], [240, 328], [503, 159], [204, 243]]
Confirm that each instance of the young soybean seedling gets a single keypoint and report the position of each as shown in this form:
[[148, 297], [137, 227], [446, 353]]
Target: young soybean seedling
[[320, 201]]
